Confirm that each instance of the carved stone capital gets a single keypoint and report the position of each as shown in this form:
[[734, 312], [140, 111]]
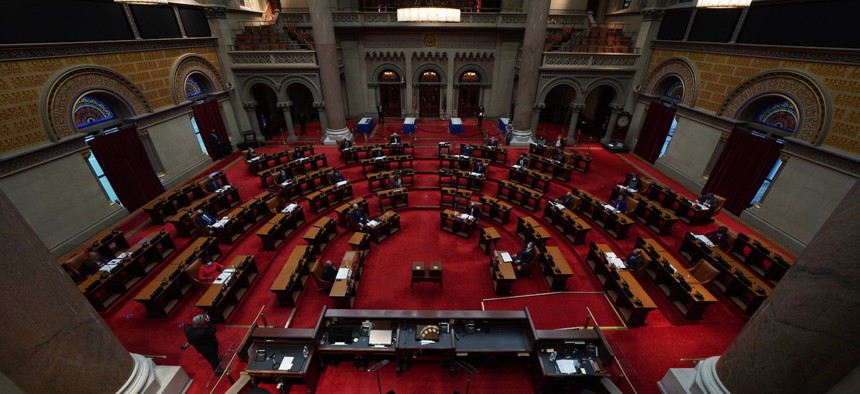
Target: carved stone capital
[[284, 104], [250, 106], [319, 105], [144, 134], [539, 106], [577, 107]]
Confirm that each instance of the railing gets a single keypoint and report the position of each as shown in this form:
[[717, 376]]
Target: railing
[[468, 19], [589, 60], [298, 58]]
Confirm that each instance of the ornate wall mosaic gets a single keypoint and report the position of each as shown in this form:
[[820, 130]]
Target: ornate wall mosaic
[[801, 90], [68, 87], [191, 64], [677, 68]]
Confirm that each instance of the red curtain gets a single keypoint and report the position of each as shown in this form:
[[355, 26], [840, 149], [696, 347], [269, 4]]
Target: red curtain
[[209, 121], [654, 131], [123, 159], [742, 167]]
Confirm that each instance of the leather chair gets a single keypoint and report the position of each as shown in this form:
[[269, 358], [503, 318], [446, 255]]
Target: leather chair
[[73, 266], [527, 267], [704, 272], [274, 204], [317, 272], [193, 273], [720, 202], [632, 203]]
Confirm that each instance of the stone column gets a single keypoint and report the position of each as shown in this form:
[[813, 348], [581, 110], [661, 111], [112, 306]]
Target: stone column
[[610, 127], [320, 107], [250, 108], [536, 117], [53, 340], [326, 49], [288, 116], [575, 110], [803, 339], [530, 59]]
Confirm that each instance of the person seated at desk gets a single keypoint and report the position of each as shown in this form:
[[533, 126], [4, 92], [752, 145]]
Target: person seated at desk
[[632, 182], [559, 142], [719, 237], [221, 148], [346, 144], [209, 271], [377, 152], [93, 264], [203, 219], [561, 158], [359, 217], [282, 177], [708, 200], [493, 142], [394, 139], [541, 141], [394, 182], [250, 154], [620, 203], [473, 210], [329, 271], [466, 151], [523, 161], [213, 184], [635, 260], [480, 168], [524, 256], [335, 177], [298, 153], [566, 199]]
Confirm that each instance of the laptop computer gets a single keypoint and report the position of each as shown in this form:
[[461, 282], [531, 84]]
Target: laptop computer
[[380, 337]]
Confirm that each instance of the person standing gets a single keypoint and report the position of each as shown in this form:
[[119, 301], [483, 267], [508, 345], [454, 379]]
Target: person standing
[[380, 113], [302, 121], [480, 114], [201, 335]]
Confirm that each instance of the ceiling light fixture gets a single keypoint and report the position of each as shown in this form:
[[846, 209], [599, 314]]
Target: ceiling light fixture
[[428, 11]]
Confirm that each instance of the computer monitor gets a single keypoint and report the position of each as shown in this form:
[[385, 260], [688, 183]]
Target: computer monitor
[[342, 334]]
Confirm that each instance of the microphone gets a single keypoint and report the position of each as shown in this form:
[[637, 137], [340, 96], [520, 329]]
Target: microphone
[[378, 366]]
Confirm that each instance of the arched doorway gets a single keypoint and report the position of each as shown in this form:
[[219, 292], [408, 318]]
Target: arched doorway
[[429, 87], [594, 119], [557, 110], [469, 94], [303, 110], [389, 92], [269, 117]]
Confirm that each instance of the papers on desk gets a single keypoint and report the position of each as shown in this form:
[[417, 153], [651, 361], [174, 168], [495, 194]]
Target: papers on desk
[[701, 207], [221, 223], [342, 273], [444, 143], [466, 216], [567, 366], [613, 259], [516, 166], [286, 364], [224, 277], [704, 240], [287, 182], [610, 207], [342, 183], [379, 158], [373, 223], [506, 257], [121, 256], [476, 174], [302, 159], [110, 265], [290, 208], [365, 121], [558, 205]]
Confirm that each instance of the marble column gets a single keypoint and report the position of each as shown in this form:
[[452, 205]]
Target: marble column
[[288, 116], [610, 127], [250, 108], [53, 340], [326, 49], [536, 116], [803, 339], [530, 60], [321, 112], [575, 110]]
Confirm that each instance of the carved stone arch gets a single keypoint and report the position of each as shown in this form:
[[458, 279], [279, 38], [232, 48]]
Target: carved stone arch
[[443, 76], [680, 68], [474, 67], [66, 87], [612, 83], [187, 65], [577, 87], [812, 101], [384, 66], [300, 79], [245, 89]]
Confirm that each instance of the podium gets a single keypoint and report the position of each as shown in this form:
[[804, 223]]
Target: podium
[[365, 125], [455, 126], [409, 126]]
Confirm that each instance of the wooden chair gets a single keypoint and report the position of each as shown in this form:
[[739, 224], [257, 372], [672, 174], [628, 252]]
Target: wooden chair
[[527, 267], [274, 204], [704, 272], [193, 273], [632, 203], [317, 272], [720, 202], [73, 266]]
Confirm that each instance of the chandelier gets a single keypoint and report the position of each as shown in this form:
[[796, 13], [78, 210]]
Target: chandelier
[[428, 11], [722, 3]]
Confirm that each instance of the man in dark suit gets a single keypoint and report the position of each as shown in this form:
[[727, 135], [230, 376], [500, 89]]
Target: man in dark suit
[[395, 182], [523, 161], [524, 256], [394, 139], [377, 152], [473, 210], [633, 182], [634, 260], [335, 177], [380, 112], [221, 148], [561, 158], [281, 177], [707, 200], [346, 144], [359, 217], [719, 237], [212, 184], [493, 142], [93, 263], [466, 151], [201, 335], [203, 219], [480, 168], [298, 153], [566, 199], [620, 203], [251, 154], [480, 114], [329, 271]]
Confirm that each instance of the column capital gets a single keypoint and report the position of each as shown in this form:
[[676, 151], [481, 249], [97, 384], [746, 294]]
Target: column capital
[[616, 107], [249, 106], [319, 105], [577, 106], [144, 134], [284, 104], [539, 106]]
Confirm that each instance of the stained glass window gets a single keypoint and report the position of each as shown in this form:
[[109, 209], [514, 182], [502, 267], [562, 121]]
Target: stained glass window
[[192, 88], [781, 114], [90, 110], [675, 90]]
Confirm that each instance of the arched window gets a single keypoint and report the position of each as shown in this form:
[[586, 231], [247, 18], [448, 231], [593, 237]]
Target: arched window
[[470, 77], [429, 76], [675, 90], [389, 76], [781, 115], [89, 110], [192, 87]]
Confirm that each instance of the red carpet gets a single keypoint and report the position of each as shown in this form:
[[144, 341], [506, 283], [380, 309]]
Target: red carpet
[[645, 353]]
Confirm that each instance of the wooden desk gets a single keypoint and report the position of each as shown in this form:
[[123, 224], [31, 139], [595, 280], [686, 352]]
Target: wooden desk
[[768, 262], [269, 346], [322, 199], [555, 268], [393, 198], [275, 231], [495, 209], [360, 242], [460, 162], [454, 223], [470, 180], [377, 181], [455, 195], [320, 234], [530, 178], [615, 223], [385, 163], [587, 348], [502, 273], [386, 225], [345, 210], [343, 291], [488, 239], [624, 291], [496, 154], [426, 273], [656, 218], [529, 230], [523, 196], [559, 170], [291, 279], [215, 204], [220, 300], [673, 279], [574, 228]]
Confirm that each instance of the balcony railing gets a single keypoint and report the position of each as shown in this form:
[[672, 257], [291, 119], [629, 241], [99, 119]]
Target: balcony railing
[[568, 60], [286, 58]]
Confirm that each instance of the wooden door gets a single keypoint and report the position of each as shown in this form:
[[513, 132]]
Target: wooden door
[[428, 101], [389, 96], [467, 102]]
